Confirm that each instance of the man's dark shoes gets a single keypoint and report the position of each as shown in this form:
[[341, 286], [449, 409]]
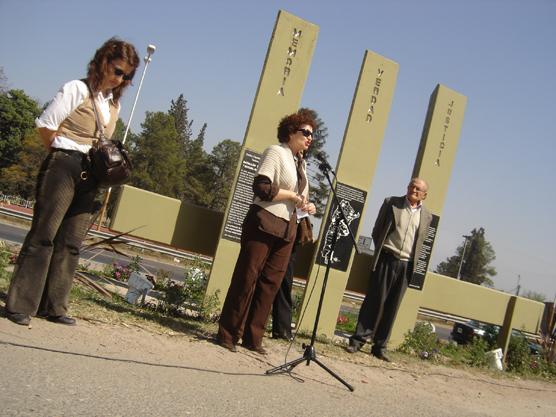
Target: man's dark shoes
[[282, 336], [19, 318], [68, 321], [353, 348], [380, 355]]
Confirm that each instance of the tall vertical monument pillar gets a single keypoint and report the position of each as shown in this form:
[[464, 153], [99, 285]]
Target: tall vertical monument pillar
[[434, 162], [279, 93], [355, 171]]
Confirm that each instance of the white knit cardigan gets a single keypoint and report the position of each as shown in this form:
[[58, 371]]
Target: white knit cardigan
[[278, 164]]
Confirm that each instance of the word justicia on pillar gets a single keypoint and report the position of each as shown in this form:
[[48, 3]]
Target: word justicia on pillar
[[445, 126]]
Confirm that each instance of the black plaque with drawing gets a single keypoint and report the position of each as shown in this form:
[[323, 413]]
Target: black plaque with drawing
[[242, 196], [352, 201], [418, 278]]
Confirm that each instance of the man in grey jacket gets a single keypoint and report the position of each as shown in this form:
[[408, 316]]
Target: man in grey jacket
[[398, 235]]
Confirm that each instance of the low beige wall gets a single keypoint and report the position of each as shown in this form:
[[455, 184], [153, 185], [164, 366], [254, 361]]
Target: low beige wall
[[166, 220], [196, 229], [449, 295]]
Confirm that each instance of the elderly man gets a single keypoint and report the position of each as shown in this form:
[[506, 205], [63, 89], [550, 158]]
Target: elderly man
[[398, 234]]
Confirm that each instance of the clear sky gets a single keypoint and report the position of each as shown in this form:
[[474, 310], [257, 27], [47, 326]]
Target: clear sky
[[501, 54]]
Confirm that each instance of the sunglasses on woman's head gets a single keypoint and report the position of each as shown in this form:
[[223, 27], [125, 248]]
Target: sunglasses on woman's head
[[305, 132], [118, 72]]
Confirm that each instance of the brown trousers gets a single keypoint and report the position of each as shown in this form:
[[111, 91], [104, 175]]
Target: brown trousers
[[258, 273]]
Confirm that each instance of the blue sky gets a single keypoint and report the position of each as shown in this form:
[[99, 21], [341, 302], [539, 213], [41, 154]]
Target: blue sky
[[501, 54]]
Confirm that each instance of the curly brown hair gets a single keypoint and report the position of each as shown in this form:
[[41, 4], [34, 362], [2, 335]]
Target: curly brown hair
[[111, 50], [291, 123]]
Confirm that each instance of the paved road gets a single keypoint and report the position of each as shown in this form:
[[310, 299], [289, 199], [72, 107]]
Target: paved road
[[17, 234]]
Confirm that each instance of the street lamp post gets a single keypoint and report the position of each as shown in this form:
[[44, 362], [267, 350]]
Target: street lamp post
[[150, 51], [462, 256]]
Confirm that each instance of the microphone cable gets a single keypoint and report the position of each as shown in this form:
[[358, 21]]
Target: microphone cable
[[298, 325]]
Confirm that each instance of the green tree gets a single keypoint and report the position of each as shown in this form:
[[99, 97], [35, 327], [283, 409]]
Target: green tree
[[3, 81], [179, 110], [318, 186], [223, 161], [119, 131], [532, 295], [198, 172], [475, 262], [17, 118], [158, 164], [201, 135], [20, 177]]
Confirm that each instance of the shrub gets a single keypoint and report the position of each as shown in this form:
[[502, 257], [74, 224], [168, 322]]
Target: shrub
[[420, 341], [346, 322], [189, 294], [161, 277], [296, 303], [518, 358], [123, 272], [4, 261], [476, 353]]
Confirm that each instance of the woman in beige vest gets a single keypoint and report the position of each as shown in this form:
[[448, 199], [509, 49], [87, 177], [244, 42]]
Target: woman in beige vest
[[65, 194], [268, 234]]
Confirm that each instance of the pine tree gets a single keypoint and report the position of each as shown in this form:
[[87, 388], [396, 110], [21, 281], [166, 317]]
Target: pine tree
[[223, 160], [179, 110], [475, 262], [119, 131], [3, 81], [198, 172], [158, 164], [318, 186]]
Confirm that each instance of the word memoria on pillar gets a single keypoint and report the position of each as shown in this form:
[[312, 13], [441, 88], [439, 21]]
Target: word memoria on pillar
[[279, 93]]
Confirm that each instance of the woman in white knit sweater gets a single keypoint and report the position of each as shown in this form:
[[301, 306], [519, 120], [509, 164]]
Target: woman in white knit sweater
[[269, 229]]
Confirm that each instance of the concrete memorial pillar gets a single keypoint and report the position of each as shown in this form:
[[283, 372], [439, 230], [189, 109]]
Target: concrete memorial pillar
[[434, 162], [355, 170], [278, 94]]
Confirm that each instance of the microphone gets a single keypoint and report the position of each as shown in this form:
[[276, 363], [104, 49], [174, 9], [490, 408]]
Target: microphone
[[323, 163]]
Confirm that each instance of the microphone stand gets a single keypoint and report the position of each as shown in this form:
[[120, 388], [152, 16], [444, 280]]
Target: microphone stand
[[310, 354]]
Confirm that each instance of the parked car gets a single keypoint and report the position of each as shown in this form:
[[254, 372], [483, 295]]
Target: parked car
[[464, 333]]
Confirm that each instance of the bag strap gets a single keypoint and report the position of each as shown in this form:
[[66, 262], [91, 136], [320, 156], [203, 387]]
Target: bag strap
[[100, 128]]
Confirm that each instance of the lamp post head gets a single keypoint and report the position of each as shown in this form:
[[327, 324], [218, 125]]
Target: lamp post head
[[150, 49]]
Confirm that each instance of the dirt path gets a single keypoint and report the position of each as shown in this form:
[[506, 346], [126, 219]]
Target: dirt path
[[97, 369]]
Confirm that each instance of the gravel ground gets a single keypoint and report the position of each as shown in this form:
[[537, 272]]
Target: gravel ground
[[99, 369]]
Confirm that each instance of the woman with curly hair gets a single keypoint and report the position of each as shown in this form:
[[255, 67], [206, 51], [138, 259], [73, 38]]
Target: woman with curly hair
[[65, 193], [269, 230]]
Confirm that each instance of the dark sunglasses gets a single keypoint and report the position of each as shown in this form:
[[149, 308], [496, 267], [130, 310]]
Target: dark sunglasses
[[305, 132], [118, 72]]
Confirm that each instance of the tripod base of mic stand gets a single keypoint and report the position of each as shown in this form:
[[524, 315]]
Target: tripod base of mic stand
[[309, 355]]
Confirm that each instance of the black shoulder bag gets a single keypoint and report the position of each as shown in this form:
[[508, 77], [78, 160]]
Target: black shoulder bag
[[110, 163]]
